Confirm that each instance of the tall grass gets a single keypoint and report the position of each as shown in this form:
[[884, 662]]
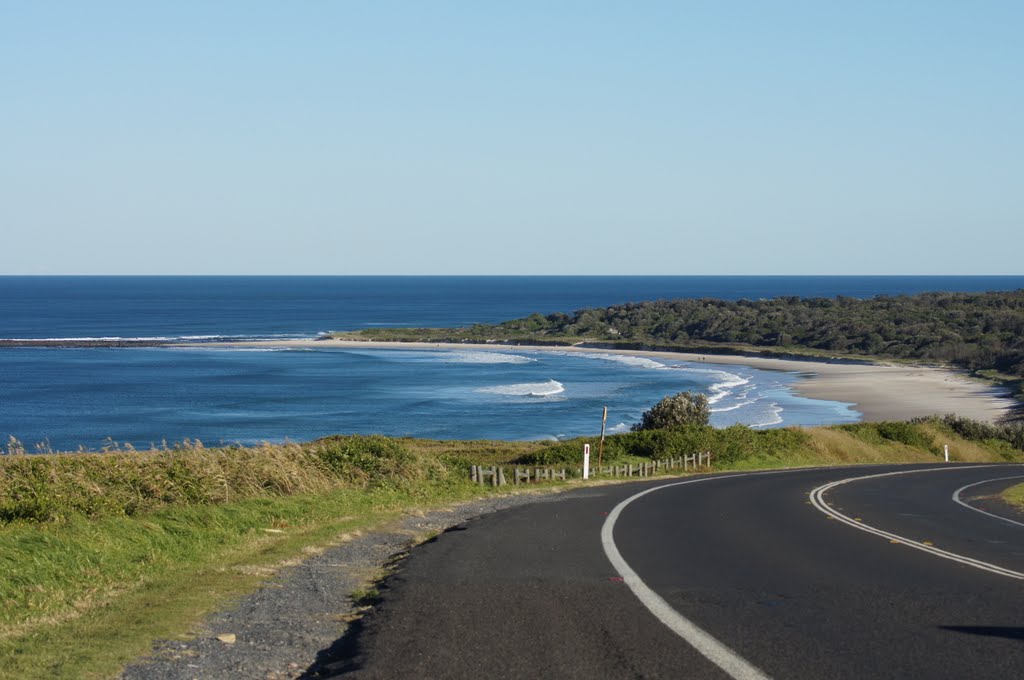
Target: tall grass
[[53, 487], [102, 553]]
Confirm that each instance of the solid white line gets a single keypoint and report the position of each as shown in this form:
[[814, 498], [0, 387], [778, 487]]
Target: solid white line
[[818, 500], [715, 651], [956, 497]]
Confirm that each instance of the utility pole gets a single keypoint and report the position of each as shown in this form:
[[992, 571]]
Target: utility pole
[[600, 447]]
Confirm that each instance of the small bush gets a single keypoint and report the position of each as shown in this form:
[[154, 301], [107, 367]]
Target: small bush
[[978, 431], [1014, 434], [681, 410], [973, 430], [904, 433]]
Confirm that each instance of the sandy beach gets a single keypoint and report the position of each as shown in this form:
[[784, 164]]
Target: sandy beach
[[879, 391]]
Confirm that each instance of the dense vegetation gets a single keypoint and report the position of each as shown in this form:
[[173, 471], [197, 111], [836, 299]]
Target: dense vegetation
[[977, 331], [740, 446]]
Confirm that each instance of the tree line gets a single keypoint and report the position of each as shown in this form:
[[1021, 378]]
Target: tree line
[[976, 331], [973, 330]]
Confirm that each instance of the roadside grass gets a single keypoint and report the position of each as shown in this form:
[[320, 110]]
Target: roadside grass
[[1015, 496], [100, 554], [83, 597]]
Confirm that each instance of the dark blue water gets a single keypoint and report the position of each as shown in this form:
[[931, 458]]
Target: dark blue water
[[80, 397]]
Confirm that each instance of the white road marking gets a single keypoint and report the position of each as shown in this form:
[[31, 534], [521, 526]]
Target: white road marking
[[956, 497], [715, 651], [818, 500]]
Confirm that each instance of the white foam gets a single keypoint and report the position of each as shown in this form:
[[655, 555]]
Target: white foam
[[112, 338], [723, 388], [621, 427], [735, 406], [774, 419], [485, 357], [544, 389], [629, 360], [215, 348]]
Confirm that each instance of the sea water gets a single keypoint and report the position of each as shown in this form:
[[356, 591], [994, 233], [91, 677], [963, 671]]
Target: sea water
[[70, 398]]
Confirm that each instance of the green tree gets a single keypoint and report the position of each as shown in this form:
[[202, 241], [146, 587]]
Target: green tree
[[685, 408]]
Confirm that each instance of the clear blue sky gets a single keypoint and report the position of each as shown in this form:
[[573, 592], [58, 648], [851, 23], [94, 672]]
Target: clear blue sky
[[532, 138]]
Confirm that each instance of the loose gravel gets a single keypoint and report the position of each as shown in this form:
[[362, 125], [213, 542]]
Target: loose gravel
[[292, 627]]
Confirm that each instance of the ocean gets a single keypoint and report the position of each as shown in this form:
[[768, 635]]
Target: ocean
[[69, 398]]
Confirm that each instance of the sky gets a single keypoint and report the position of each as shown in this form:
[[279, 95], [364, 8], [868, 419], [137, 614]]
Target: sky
[[433, 137]]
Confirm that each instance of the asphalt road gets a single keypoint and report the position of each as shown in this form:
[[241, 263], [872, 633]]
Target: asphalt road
[[745, 567]]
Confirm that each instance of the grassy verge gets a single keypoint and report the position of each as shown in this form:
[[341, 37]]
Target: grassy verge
[[83, 597], [1015, 496], [101, 554]]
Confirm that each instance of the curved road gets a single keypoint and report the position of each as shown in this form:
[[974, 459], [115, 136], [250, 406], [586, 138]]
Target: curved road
[[753, 575]]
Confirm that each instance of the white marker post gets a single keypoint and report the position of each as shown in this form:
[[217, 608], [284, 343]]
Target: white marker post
[[586, 461], [946, 449], [600, 447]]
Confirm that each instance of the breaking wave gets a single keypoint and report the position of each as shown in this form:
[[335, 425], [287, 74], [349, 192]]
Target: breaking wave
[[773, 417], [544, 389], [737, 405], [485, 357], [627, 359]]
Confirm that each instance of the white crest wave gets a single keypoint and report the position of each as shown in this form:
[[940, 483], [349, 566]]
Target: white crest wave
[[627, 359], [726, 382], [544, 389], [774, 417], [485, 357]]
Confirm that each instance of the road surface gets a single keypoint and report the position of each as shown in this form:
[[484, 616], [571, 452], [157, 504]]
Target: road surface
[[752, 575]]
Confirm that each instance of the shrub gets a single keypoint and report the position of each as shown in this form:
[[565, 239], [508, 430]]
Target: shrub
[[685, 408], [904, 433], [975, 430]]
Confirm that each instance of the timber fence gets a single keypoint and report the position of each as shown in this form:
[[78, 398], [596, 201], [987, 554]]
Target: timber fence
[[498, 475]]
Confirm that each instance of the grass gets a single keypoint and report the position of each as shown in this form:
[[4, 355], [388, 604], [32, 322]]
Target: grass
[[82, 597], [1015, 496], [100, 554]]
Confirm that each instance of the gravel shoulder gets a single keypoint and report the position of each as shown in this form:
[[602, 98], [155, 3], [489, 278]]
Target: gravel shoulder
[[289, 628]]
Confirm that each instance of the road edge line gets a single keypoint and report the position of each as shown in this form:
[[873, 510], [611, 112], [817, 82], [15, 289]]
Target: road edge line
[[956, 498], [710, 647]]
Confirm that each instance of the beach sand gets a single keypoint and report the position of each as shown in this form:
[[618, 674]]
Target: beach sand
[[879, 391]]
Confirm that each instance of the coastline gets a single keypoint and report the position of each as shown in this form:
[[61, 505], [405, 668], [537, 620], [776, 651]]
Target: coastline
[[878, 391]]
